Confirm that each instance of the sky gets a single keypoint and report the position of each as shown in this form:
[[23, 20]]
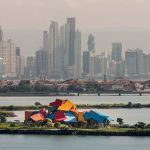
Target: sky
[[126, 21]]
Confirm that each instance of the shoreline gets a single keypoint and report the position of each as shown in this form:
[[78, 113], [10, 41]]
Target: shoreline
[[74, 132], [57, 94], [81, 106]]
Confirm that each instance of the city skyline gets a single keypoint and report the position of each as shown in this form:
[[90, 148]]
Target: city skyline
[[62, 57], [123, 22]]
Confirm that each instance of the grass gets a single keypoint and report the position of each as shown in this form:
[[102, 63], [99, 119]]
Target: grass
[[110, 129]]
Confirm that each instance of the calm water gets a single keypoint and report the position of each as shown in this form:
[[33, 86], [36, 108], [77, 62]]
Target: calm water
[[130, 116], [76, 99], [39, 142]]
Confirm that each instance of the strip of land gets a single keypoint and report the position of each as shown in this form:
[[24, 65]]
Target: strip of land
[[81, 106], [94, 132]]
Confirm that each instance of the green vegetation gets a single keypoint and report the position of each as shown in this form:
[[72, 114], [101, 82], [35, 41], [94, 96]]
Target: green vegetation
[[79, 106], [2, 119], [120, 121], [7, 113], [56, 126]]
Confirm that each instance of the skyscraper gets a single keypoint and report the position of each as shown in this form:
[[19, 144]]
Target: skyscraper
[[53, 51], [1, 43], [131, 62], [9, 52], [20, 64], [116, 54], [103, 63], [71, 29], [41, 63], [86, 61], [45, 41], [91, 43], [146, 63], [30, 68], [17, 51], [77, 65], [139, 61], [62, 48]]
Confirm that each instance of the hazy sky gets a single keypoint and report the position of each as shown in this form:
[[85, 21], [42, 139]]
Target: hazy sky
[[115, 20]]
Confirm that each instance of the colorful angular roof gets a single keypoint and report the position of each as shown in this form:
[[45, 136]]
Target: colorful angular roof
[[56, 103], [67, 105], [70, 117], [59, 116], [37, 117], [97, 116]]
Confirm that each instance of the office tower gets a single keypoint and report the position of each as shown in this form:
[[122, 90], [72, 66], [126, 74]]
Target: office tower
[[146, 63], [96, 65], [2, 68], [62, 48], [120, 69], [18, 62], [53, 51], [77, 65], [86, 61], [70, 35], [30, 68], [139, 61], [9, 53], [91, 44], [103, 63], [17, 51], [41, 63], [91, 66], [20, 66], [1, 43], [116, 54], [45, 41], [131, 62]]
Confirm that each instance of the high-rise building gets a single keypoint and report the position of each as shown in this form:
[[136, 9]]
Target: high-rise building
[[45, 41], [103, 63], [91, 44], [120, 69], [2, 68], [94, 66], [116, 54], [20, 67], [53, 51], [41, 63], [9, 53], [30, 68], [86, 61], [146, 63], [70, 35], [1, 43], [62, 48], [139, 61], [131, 62], [77, 65], [17, 51]]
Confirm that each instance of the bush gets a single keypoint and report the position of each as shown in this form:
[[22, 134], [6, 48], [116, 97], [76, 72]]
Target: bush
[[12, 125], [140, 125], [57, 124], [120, 121], [63, 127], [148, 126], [3, 119]]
